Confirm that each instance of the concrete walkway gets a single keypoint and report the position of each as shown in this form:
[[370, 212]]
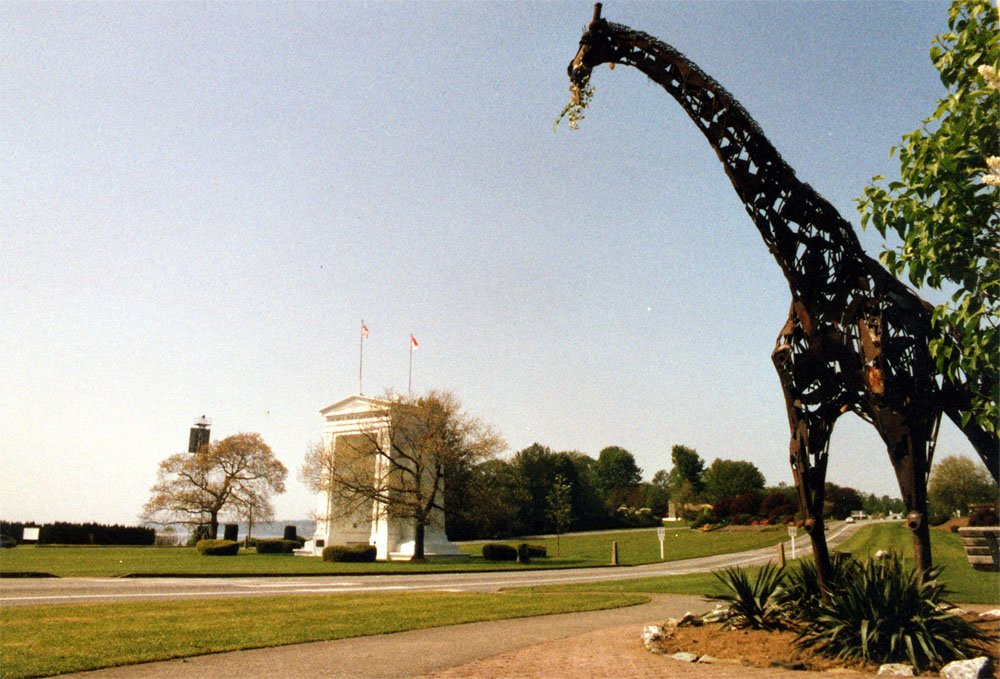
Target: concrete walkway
[[592, 644]]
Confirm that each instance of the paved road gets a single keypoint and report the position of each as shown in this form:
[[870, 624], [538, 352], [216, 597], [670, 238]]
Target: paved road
[[31, 591]]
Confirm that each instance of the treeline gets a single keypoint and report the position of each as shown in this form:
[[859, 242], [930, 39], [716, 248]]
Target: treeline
[[520, 496], [62, 533]]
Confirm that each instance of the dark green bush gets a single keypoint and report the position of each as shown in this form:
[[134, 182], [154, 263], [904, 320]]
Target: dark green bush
[[497, 551], [752, 603], [985, 516], [276, 546], [801, 594], [537, 551], [882, 613], [218, 547], [350, 553]]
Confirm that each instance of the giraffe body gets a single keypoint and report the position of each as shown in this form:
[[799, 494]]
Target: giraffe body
[[856, 338]]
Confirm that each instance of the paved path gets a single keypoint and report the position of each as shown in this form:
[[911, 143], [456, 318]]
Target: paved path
[[34, 591], [593, 644]]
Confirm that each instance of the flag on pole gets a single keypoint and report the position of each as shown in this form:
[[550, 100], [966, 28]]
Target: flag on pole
[[413, 342], [364, 330]]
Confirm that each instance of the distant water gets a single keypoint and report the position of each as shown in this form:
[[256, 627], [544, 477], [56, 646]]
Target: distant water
[[304, 528]]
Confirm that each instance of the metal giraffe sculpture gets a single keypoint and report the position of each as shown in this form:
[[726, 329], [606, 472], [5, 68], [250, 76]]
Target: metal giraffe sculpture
[[856, 338]]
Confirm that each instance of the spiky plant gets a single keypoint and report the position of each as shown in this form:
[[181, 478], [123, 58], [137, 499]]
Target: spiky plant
[[752, 601], [801, 592], [883, 613]]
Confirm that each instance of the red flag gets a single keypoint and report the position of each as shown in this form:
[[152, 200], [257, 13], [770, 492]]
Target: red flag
[[413, 343]]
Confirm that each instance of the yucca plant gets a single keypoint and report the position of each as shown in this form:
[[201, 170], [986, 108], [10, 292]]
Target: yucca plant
[[752, 601], [883, 613], [801, 592]]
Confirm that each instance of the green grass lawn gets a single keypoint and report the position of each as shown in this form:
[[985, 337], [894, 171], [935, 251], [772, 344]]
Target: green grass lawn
[[44, 640], [634, 547], [965, 585]]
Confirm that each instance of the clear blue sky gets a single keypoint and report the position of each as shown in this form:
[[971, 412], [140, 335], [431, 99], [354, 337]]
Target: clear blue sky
[[200, 201]]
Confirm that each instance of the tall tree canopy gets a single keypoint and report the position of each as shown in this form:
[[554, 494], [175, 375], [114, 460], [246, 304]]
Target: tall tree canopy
[[223, 476], [729, 478], [616, 469], [688, 467], [957, 482], [944, 208]]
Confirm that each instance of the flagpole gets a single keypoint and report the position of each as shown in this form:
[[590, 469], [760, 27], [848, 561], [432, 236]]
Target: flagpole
[[361, 357], [409, 383]]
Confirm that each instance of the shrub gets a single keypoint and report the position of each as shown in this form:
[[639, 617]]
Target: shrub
[[747, 503], [350, 553], [753, 603], [882, 613], [276, 546], [722, 509], [777, 503], [537, 551], [801, 593], [497, 551], [984, 516], [290, 533], [741, 519], [704, 518], [218, 547]]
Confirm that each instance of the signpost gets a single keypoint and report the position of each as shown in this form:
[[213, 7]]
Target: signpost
[[661, 533], [792, 530]]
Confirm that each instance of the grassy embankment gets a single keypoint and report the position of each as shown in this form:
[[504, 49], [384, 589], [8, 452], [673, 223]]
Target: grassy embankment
[[634, 547], [965, 585], [44, 640]]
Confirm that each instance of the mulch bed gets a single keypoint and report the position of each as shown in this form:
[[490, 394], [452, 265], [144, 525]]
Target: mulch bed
[[757, 648]]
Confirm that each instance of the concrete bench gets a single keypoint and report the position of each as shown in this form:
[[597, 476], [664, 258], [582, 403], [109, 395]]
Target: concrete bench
[[982, 547]]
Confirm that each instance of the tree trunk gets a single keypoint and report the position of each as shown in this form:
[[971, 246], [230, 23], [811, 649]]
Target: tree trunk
[[213, 525], [418, 542]]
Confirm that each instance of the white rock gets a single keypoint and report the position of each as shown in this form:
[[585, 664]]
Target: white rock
[[651, 633], [686, 657], [976, 668], [689, 619], [895, 669], [994, 614]]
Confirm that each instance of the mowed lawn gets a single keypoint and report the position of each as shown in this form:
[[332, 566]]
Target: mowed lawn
[[635, 546], [45, 640], [965, 585]]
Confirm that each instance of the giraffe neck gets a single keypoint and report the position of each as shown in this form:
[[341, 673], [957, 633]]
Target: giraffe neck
[[817, 249]]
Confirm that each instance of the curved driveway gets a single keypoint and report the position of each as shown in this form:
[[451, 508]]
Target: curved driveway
[[30, 591]]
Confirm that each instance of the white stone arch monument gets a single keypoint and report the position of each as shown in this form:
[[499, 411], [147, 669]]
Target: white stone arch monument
[[393, 537]]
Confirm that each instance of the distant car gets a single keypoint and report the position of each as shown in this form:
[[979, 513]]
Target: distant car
[[850, 519]]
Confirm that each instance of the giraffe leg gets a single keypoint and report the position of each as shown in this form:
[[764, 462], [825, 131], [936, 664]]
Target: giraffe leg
[[808, 450], [909, 452]]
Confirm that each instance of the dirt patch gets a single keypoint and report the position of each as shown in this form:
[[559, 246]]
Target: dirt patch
[[758, 648]]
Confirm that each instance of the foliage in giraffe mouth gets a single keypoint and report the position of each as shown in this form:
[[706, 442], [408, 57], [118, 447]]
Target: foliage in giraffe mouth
[[581, 92]]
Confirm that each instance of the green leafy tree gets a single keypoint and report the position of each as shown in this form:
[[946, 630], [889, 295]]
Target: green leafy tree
[[729, 478], [956, 482], [688, 467], [560, 506], [616, 470], [944, 209]]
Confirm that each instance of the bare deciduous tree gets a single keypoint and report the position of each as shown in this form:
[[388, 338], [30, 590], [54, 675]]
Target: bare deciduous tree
[[223, 476]]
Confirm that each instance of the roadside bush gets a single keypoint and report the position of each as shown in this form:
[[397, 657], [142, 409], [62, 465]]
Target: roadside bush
[[742, 519], [984, 516], [747, 503], [276, 546], [777, 504], [350, 553], [722, 509], [752, 603], [537, 551], [218, 547], [497, 551], [63, 533], [882, 613], [704, 518]]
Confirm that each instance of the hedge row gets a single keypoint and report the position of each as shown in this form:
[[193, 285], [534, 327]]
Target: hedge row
[[62, 533], [352, 554], [276, 546], [498, 551], [218, 547]]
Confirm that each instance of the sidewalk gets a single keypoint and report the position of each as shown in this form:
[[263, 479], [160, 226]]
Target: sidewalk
[[592, 644]]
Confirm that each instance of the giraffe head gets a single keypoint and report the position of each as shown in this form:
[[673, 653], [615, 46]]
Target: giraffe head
[[595, 49]]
